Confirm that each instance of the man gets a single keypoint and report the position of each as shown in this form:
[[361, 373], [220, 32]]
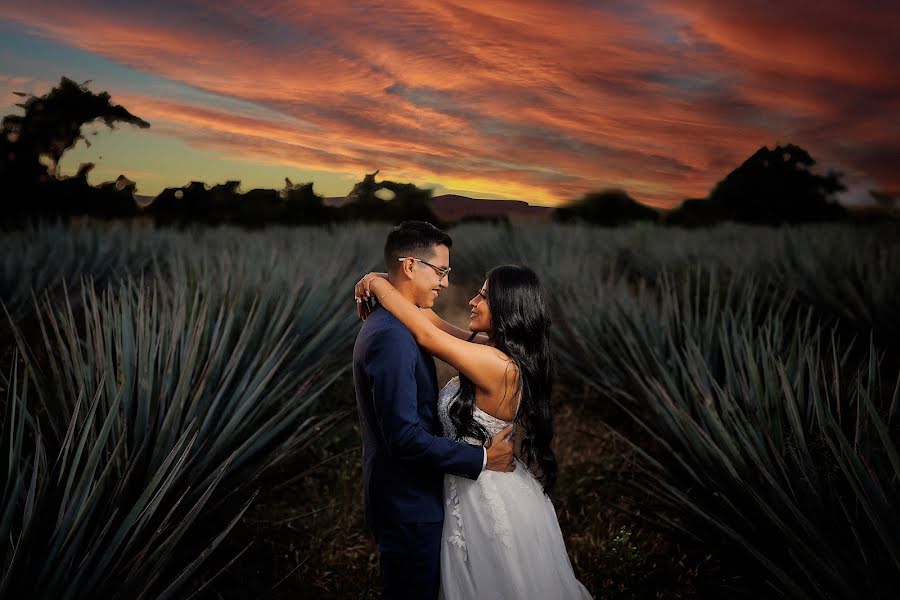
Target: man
[[404, 455]]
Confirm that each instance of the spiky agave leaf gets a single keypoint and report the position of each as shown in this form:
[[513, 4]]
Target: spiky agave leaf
[[757, 414], [179, 394]]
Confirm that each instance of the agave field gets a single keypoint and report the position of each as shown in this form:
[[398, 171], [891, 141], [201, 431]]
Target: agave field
[[761, 368], [152, 378], [155, 382]]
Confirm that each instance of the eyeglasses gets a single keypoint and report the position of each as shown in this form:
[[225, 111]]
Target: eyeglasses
[[442, 272]]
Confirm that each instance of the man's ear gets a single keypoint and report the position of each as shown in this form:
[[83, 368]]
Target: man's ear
[[406, 269]]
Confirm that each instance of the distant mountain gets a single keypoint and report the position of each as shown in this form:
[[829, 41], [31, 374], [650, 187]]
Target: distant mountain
[[451, 207]]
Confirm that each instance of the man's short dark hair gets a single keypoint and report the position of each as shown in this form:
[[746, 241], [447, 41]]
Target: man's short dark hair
[[412, 238]]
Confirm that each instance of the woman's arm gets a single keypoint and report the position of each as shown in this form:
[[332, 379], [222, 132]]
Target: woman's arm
[[361, 291], [482, 364], [446, 327]]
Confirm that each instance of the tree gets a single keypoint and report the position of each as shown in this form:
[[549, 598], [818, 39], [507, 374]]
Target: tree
[[408, 202], [32, 145], [695, 212], [303, 205], [778, 186], [610, 208]]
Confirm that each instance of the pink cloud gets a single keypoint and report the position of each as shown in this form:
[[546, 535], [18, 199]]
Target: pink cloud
[[528, 97]]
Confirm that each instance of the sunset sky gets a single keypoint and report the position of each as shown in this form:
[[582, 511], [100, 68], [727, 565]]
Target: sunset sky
[[536, 100]]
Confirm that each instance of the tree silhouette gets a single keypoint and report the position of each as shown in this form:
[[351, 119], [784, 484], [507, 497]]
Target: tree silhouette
[[609, 208], [224, 203], [180, 206], [777, 186], [303, 205], [695, 212], [363, 192], [32, 145], [409, 202]]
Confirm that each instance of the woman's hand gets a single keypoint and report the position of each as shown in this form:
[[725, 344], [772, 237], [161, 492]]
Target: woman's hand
[[362, 291], [363, 294]]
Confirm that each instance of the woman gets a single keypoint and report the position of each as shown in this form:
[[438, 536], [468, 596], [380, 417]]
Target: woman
[[501, 536]]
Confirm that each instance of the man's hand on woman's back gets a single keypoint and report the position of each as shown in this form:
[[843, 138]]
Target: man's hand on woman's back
[[500, 451]]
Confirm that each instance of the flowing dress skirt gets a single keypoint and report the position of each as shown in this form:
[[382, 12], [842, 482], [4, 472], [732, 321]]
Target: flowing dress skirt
[[501, 539]]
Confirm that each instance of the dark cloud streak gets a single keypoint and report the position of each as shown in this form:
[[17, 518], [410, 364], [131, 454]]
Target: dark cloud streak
[[533, 98]]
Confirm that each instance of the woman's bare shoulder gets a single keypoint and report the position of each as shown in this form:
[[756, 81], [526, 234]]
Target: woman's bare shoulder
[[502, 399]]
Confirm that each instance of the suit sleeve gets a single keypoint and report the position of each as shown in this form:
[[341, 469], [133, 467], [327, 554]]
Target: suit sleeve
[[390, 365]]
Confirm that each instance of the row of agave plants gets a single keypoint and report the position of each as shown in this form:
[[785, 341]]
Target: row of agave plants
[[848, 274], [760, 367], [151, 380]]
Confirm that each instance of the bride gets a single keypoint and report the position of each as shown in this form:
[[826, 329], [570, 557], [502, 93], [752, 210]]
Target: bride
[[501, 536]]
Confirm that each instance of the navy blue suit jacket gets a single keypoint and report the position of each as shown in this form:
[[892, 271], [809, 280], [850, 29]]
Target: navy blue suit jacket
[[404, 455]]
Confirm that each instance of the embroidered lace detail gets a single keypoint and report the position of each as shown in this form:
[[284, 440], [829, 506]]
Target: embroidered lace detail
[[489, 422], [486, 483], [494, 504], [448, 395], [456, 537], [445, 398]]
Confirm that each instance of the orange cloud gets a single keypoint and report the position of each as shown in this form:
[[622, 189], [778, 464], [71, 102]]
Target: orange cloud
[[531, 99]]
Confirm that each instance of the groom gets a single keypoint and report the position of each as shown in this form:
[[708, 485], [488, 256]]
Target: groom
[[404, 455]]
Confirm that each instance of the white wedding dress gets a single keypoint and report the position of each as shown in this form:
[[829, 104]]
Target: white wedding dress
[[501, 536]]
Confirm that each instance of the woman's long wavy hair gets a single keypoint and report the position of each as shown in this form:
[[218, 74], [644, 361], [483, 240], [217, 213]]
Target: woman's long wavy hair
[[521, 330]]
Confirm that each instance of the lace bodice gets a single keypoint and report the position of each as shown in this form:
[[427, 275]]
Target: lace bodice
[[450, 394], [489, 500]]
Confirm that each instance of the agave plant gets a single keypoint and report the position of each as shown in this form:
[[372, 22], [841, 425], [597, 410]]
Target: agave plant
[[62, 510], [162, 396], [47, 258], [573, 252], [848, 274], [767, 439]]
